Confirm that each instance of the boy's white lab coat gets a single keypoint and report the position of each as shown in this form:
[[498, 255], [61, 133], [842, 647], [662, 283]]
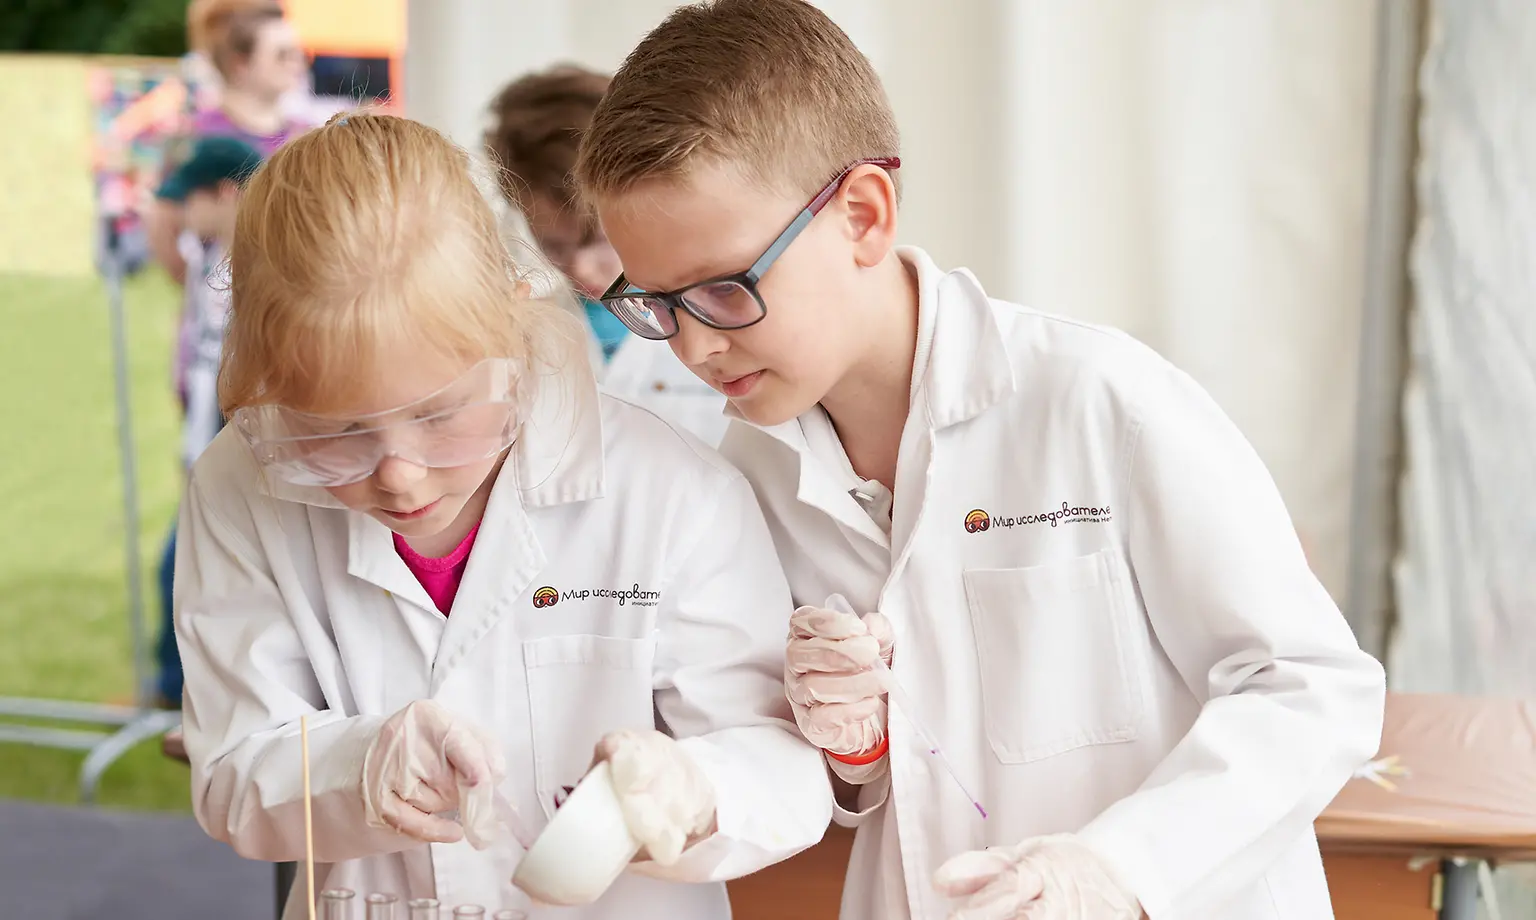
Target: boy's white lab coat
[[1101, 609], [670, 611]]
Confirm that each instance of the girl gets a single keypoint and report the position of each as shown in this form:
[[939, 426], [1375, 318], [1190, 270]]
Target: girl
[[424, 530]]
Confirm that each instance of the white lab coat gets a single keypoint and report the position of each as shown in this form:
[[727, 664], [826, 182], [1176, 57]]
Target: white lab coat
[[648, 374], [672, 612], [1132, 649]]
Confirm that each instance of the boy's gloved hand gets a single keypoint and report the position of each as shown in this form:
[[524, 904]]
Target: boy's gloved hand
[[668, 802], [829, 677], [1044, 878], [424, 761]]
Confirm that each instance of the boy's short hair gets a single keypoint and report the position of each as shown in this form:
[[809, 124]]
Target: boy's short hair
[[537, 123], [214, 159], [771, 87]]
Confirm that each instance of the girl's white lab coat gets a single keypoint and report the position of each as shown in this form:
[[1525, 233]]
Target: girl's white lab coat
[[670, 611], [1101, 609]]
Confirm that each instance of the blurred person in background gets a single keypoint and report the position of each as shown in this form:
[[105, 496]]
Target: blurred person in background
[[207, 189], [257, 62], [537, 122]]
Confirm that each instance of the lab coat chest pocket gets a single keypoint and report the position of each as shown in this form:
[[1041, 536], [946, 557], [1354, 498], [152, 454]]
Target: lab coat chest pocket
[[1059, 669], [580, 687]]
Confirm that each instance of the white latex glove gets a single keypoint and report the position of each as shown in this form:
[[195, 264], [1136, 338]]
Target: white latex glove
[[1045, 878], [668, 802], [830, 679], [426, 761]]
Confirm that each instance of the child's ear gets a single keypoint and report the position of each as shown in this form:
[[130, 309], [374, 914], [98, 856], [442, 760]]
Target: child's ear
[[868, 197]]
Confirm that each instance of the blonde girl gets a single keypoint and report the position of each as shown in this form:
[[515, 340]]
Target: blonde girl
[[425, 531]]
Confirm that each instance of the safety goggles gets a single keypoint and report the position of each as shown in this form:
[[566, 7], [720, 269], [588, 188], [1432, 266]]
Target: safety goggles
[[472, 419], [725, 302]]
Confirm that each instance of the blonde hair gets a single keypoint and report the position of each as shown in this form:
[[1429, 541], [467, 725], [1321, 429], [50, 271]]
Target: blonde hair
[[771, 87], [367, 235]]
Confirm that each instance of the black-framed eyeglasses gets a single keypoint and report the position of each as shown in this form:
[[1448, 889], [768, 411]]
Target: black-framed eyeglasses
[[725, 302]]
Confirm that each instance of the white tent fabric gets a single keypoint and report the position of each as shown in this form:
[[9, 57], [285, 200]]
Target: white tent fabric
[[1466, 597], [1190, 170]]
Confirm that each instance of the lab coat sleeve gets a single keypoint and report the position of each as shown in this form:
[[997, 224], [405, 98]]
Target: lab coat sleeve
[[248, 680], [720, 692], [868, 799], [1291, 705]]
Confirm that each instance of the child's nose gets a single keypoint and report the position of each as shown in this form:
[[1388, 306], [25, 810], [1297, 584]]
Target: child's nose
[[695, 343], [398, 475]]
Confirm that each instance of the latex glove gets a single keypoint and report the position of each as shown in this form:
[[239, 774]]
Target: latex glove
[[668, 802], [829, 677], [426, 761], [1045, 878]]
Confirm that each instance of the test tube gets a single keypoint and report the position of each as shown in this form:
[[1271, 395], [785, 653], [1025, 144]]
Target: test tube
[[469, 912], [381, 906], [509, 914], [422, 908], [336, 904]]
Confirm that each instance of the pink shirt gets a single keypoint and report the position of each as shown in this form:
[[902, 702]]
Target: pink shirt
[[441, 575]]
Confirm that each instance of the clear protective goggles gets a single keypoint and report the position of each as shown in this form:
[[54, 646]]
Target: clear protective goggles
[[471, 419]]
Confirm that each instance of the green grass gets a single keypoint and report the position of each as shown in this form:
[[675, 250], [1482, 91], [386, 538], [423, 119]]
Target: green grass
[[63, 589]]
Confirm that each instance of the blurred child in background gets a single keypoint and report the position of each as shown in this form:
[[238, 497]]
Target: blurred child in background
[[537, 123], [207, 188]]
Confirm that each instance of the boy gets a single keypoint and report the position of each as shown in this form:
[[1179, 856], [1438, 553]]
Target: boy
[[206, 187], [1083, 574], [536, 124]]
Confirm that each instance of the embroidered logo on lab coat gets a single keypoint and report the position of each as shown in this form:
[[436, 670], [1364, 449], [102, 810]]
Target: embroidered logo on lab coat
[[979, 521], [548, 596]]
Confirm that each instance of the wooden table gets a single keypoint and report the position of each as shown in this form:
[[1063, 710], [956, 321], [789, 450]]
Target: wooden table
[[1468, 799], [1412, 853]]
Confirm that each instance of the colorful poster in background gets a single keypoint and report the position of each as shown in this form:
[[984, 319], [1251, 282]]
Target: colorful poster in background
[[141, 112]]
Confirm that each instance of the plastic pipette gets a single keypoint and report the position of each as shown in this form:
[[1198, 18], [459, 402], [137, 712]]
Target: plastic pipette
[[898, 695]]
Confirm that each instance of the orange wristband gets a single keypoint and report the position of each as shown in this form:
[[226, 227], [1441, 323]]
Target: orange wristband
[[859, 760]]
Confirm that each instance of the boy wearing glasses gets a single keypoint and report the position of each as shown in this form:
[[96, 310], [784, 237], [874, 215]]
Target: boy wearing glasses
[[1071, 560]]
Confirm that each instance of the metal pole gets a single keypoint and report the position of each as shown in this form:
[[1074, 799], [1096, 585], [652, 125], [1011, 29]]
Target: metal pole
[[125, 445], [1458, 891], [1383, 341]]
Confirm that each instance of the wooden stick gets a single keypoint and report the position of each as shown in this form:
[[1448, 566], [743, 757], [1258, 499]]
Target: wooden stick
[[309, 830]]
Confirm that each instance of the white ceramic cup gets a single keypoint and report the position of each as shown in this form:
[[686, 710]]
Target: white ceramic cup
[[582, 850]]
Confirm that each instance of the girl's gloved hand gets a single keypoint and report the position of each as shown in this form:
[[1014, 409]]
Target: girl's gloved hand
[[830, 679], [1044, 878], [668, 802], [426, 761]]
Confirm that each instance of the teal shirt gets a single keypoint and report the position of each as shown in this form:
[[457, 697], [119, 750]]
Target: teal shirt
[[610, 333]]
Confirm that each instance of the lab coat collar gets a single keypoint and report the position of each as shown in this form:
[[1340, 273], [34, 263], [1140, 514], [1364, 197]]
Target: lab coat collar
[[968, 368]]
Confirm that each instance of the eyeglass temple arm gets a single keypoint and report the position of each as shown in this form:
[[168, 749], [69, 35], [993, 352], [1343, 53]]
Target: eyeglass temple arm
[[783, 240], [810, 212]]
